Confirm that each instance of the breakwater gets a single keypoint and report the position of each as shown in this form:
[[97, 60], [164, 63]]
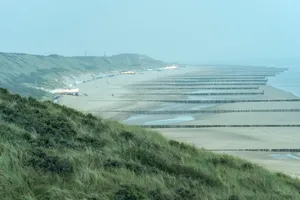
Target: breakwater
[[200, 94], [212, 81], [197, 84], [175, 112], [197, 88], [157, 126], [205, 101], [219, 78], [257, 150]]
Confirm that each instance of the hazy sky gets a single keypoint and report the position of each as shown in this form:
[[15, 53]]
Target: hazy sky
[[171, 30]]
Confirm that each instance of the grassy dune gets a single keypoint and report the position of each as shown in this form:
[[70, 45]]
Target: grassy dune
[[19, 72], [52, 152]]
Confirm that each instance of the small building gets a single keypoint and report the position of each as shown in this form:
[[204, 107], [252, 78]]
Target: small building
[[128, 72], [70, 91]]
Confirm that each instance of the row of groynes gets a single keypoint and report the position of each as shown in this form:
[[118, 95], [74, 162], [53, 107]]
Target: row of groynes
[[159, 126], [197, 88], [175, 112], [227, 70], [224, 75], [200, 94], [259, 150], [213, 80], [243, 79], [220, 78], [204, 101], [198, 84]]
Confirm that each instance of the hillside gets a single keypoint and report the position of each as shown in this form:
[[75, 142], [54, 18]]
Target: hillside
[[52, 152], [19, 72]]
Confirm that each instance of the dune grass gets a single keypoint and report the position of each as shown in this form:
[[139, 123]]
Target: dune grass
[[49, 151], [21, 73]]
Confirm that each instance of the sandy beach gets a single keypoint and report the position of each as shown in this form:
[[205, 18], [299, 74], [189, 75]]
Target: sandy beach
[[105, 97]]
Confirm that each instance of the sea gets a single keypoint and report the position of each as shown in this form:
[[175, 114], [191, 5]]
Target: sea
[[288, 81]]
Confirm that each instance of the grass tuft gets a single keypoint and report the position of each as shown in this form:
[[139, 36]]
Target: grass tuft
[[50, 152]]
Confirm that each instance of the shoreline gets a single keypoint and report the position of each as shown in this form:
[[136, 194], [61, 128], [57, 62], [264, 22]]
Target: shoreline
[[209, 138]]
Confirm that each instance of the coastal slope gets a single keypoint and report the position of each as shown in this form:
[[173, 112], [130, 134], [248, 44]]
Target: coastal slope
[[25, 73], [48, 151]]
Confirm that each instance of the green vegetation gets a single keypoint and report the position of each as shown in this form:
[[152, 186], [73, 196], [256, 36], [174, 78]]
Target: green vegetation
[[49, 151], [20, 72]]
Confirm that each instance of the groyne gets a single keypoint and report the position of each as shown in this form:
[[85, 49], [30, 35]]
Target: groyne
[[218, 126], [212, 81], [175, 112], [257, 150], [205, 101], [196, 88], [197, 84], [200, 94]]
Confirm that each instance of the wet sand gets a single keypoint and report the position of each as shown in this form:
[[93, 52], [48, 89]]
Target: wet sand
[[100, 100]]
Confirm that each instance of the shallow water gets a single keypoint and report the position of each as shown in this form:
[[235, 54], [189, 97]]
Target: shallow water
[[284, 156], [288, 81], [174, 120]]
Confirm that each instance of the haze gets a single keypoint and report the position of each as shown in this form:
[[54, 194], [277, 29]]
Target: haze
[[184, 31]]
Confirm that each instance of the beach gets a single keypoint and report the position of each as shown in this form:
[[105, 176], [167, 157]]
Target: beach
[[140, 92]]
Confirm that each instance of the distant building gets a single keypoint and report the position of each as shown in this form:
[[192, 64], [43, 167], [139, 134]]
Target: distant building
[[74, 91], [128, 72]]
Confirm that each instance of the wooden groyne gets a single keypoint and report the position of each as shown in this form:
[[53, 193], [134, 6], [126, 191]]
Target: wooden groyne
[[197, 88], [198, 84], [221, 78], [204, 101], [224, 75], [219, 126], [257, 150], [179, 112], [213, 81], [200, 94]]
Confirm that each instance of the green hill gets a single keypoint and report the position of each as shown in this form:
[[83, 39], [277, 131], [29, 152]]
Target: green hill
[[49, 152], [19, 72]]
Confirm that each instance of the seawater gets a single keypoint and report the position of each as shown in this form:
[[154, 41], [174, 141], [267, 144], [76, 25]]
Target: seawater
[[288, 81]]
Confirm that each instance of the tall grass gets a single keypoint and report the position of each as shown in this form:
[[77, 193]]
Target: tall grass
[[49, 151]]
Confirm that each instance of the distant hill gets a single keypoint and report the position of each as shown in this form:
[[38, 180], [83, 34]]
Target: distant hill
[[18, 72], [53, 152]]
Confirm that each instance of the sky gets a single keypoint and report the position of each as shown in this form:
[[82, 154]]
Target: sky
[[220, 31]]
